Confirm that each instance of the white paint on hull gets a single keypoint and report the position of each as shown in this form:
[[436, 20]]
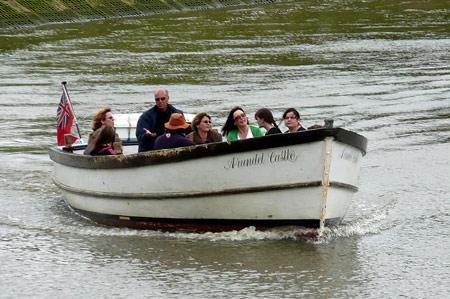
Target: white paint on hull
[[217, 187]]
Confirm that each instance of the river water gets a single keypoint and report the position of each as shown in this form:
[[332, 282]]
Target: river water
[[380, 68]]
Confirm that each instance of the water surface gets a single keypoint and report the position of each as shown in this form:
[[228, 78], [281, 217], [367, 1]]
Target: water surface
[[380, 68]]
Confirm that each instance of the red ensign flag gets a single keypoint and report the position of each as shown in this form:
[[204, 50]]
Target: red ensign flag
[[65, 119]]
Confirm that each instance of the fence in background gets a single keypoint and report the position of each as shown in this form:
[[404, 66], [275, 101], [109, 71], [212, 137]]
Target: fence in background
[[25, 13]]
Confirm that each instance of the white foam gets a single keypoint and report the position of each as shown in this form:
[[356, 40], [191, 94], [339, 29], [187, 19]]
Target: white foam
[[370, 223], [367, 224]]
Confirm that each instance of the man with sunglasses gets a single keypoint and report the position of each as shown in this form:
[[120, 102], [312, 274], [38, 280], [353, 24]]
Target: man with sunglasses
[[151, 123]]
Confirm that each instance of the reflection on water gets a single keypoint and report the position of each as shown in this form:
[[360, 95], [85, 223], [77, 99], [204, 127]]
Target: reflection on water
[[165, 263], [380, 68]]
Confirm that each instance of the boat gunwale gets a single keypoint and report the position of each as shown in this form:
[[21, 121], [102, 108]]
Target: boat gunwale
[[59, 155]]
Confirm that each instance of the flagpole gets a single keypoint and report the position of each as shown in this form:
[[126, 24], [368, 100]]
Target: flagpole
[[70, 103]]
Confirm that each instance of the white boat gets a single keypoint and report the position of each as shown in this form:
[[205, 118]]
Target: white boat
[[299, 179]]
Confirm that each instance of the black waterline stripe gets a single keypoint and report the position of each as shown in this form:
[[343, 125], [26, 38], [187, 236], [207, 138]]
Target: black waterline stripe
[[131, 221]]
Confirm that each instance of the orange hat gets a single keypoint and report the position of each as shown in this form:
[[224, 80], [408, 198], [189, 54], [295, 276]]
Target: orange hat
[[176, 122]]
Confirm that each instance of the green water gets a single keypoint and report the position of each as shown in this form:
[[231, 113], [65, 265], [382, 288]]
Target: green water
[[380, 68]]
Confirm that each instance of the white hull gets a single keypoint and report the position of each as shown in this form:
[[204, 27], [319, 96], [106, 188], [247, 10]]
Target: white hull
[[296, 184]]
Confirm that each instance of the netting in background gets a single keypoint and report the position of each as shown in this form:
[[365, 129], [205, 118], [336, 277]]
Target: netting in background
[[24, 13]]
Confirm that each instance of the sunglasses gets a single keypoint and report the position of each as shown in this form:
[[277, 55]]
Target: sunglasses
[[160, 99], [242, 116]]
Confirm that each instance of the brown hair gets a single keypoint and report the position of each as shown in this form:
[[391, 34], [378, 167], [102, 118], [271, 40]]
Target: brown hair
[[106, 135], [265, 114], [197, 119], [99, 116]]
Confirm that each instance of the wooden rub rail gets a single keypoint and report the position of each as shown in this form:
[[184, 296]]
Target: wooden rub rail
[[25, 13]]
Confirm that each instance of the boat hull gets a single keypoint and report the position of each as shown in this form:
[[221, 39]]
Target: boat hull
[[300, 179]]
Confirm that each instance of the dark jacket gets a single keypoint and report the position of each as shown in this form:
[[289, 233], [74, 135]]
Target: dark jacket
[[299, 129], [171, 140], [148, 120]]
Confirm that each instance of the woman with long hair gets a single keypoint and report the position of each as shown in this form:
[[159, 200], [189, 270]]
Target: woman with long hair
[[102, 118], [264, 119], [103, 142], [237, 127]]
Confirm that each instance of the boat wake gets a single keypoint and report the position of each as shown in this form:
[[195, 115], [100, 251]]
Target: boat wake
[[368, 224], [371, 223]]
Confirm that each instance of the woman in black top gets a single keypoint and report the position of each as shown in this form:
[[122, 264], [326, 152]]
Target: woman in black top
[[292, 120], [265, 120]]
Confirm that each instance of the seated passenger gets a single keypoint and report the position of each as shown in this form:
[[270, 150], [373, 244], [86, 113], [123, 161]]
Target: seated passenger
[[264, 119], [151, 123], [103, 142], [202, 132], [102, 118], [174, 136], [236, 127], [292, 120]]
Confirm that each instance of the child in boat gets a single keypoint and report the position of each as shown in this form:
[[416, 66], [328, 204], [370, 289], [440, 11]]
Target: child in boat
[[103, 142]]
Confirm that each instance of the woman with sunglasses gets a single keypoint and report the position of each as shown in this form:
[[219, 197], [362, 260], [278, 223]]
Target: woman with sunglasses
[[102, 118], [202, 132], [237, 127]]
